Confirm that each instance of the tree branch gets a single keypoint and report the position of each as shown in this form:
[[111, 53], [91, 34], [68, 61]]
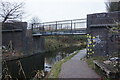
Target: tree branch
[[10, 10]]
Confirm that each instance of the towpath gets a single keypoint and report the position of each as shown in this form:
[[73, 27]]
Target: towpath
[[76, 68]]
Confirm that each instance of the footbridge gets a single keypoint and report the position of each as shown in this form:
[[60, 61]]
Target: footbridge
[[64, 27]]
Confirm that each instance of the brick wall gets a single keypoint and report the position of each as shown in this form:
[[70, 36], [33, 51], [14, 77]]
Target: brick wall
[[21, 38], [100, 40]]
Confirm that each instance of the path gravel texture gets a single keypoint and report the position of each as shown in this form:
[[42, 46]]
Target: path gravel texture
[[76, 68]]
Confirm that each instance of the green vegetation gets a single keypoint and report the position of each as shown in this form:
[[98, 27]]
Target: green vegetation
[[57, 67], [92, 65], [65, 43], [100, 59], [113, 6], [91, 59]]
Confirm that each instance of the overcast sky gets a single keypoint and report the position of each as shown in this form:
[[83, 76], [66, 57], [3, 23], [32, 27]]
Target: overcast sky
[[52, 10]]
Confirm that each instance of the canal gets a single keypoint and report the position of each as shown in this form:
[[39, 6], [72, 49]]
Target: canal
[[30, 65], [50, 60]]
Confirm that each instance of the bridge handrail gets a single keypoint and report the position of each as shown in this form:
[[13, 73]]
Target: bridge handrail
[[62, 21], [66, 25]]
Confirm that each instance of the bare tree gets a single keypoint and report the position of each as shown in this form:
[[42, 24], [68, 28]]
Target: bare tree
[[36, 23], [10, 10], [35, 20]]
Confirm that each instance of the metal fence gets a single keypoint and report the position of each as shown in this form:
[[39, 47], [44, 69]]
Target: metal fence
[[64, 26]]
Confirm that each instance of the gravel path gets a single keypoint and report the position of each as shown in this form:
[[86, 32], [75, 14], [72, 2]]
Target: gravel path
[[76, 68]]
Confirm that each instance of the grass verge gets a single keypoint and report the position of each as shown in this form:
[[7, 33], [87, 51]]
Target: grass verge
[[54, 73], [91, 59], [98, 71]]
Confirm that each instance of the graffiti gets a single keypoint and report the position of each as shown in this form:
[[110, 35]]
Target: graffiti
[[94, 40], [97, 39]]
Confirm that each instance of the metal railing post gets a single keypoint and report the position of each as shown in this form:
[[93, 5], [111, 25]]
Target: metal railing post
[[32, 27], [43, 28], [71, 26], [61, 26], [74, 27], [56, 26]]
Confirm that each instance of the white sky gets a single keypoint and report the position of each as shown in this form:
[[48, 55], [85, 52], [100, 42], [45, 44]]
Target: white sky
[[52, 10]]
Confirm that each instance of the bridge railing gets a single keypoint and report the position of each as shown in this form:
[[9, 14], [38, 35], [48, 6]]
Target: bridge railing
[[59, 26]]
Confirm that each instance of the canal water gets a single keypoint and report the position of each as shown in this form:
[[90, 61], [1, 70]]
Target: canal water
[[24, 67], [31, 64], [52, 58]]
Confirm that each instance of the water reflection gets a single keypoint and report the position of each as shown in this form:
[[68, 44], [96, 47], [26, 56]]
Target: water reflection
[[51, 58]]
